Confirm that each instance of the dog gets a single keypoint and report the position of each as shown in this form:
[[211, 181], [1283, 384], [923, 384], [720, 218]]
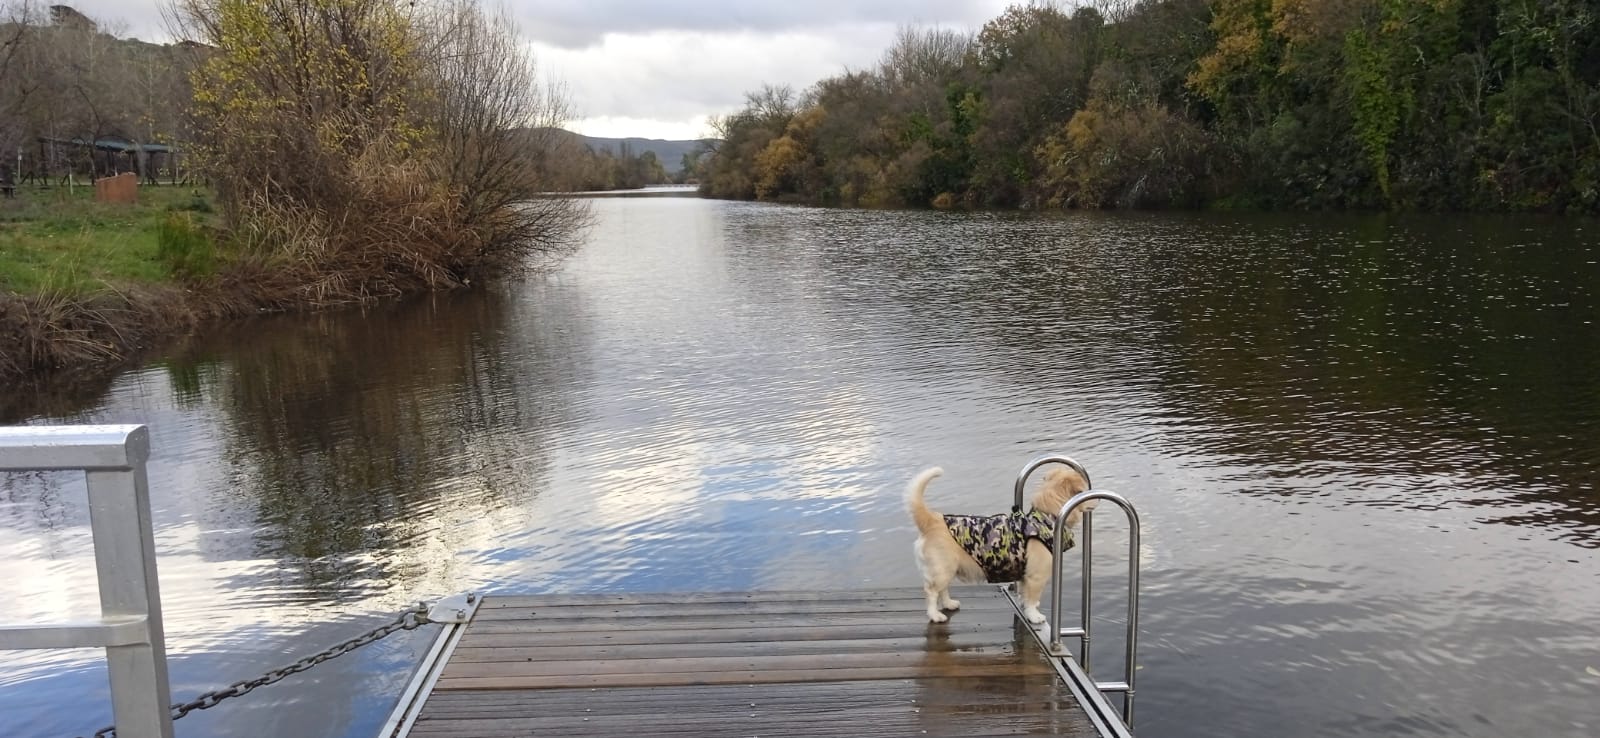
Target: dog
[[943, 558]]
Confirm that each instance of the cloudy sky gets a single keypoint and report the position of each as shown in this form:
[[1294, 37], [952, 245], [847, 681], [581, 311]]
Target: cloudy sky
[[659, 68]]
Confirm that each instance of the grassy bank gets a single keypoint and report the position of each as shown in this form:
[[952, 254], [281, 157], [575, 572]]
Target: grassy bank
[[86, 285], [411, 161], [58, 240]]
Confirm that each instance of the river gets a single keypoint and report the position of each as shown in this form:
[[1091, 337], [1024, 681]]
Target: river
[[1366, 450]]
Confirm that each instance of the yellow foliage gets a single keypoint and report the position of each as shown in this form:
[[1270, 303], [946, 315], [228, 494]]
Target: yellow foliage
[[1306, 21], [1108, 154], [776, 164], [1241, 28], [805, 123], [1082, 130]]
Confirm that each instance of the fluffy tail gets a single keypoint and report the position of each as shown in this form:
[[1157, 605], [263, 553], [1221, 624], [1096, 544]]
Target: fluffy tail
[[927, 520]]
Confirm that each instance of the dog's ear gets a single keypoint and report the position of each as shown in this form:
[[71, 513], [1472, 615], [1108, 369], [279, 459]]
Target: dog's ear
[[1060, 484], [1066, 479]]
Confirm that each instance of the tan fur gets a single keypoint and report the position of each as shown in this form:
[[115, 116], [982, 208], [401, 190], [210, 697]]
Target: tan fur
[[943, 561]]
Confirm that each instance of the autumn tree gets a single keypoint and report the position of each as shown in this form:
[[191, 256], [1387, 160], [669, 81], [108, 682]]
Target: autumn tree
[[1364, 104], [378, 146]]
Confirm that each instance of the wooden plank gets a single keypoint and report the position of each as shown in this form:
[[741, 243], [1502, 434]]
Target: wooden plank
[[603, 652], [530, 704], [985, 729], [680, 598], [989, 729], [673, 622], [1021, 719], [732, 677], [956, 628], [942, 662], [912, 610], [944, 692], [658, 711]]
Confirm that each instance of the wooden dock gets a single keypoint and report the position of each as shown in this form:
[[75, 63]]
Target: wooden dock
[[846, 663]]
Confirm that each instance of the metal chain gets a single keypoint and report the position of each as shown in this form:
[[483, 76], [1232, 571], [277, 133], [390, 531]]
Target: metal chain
[[408, 619]]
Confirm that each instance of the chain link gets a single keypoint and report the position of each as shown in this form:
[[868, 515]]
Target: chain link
[[408, 619]]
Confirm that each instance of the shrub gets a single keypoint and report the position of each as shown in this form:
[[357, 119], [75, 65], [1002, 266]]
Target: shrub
[[184, 247], [406, 141], [197, 204]]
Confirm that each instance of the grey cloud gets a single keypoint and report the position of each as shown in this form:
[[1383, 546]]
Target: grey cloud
[[677, 76], [581, 23], [732, 46]]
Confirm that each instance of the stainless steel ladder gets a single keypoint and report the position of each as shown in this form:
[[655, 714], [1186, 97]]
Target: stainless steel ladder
[[1077, 672]]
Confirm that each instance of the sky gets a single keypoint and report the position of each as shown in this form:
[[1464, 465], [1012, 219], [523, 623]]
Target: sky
[[661, 68]]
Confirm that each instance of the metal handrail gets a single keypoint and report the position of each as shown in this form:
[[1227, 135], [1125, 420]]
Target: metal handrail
[[1083, 631], [1088, 529], [1056, 631], [1033, 466], [113, 459]]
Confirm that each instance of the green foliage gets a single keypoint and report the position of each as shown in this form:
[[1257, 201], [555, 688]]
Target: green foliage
[[197, 203], [184, 247], [1366, 104], [1375, 102]]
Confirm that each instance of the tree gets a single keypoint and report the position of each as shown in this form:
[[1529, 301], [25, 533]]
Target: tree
[[376, 145], [1446, 104]]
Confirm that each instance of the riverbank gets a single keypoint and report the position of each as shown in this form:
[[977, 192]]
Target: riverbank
[[83, 283], [87, 287]]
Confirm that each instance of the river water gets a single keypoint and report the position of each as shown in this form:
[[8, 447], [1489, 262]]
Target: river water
[[1366, 450]]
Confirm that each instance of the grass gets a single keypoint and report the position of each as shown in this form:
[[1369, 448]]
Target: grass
[[60, 241]]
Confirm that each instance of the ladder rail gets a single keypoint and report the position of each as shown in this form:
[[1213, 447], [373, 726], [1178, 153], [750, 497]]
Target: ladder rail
[[1126, 686], [1033, 466], [1083, 631]]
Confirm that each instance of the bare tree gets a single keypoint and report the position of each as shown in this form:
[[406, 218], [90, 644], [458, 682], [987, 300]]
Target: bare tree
[[61, 76], [19, 24], [499, 133], [922, 55]]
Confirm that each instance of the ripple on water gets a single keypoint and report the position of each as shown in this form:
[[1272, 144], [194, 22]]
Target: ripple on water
[[1360, 447]]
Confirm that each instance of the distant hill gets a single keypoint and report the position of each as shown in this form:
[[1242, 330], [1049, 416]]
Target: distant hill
[[669, 153]]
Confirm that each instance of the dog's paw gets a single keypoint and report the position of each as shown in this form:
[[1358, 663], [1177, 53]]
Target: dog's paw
[[937, 617], [951, 605], [1033, 615]]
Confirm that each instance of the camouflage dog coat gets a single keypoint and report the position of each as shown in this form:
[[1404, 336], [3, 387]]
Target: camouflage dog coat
[[1000, 542]]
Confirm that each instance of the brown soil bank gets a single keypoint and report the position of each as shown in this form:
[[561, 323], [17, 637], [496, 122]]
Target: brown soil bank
[[54, 335], [42, 335]]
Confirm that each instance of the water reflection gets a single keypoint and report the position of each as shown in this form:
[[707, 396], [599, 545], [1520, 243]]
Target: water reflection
[[1469, 346], [1362, 445], [305, 470], [343, 436]]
